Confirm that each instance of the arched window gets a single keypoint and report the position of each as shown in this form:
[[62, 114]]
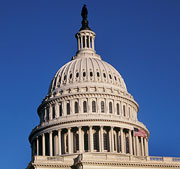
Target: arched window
[[110, 107], [85, 107], [85, 141], [53, 112], [124, 110], [68, 108], [60, 109], [96, 140], [102, 106], [76, 108], [117, 107], [93, 106]]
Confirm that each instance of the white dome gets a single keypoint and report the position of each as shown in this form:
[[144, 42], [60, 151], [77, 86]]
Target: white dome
[[86, 71]]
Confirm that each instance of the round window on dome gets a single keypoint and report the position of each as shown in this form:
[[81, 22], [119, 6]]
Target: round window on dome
[[84, 74], [98, 74], [91, 74], [77, 74]]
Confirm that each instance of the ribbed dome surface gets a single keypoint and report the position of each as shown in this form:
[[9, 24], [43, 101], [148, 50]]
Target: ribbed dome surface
[[87, 69]]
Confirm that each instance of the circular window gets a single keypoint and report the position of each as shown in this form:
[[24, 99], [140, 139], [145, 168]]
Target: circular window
[[98, 74], [84, 74], [70, 76], [77, 74]]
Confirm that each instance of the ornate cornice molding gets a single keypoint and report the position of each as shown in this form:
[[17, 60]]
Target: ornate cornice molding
[[41, 128]]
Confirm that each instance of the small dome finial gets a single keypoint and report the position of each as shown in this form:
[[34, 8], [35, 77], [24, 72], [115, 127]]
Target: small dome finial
[[84, 13]]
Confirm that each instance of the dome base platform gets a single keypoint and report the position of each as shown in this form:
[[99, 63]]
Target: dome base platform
[[102, 161]]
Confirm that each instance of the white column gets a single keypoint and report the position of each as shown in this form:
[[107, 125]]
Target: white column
[[101, 139], [85, 38], [37, 146], [59, 141], [91, 139], [89, 41], [93, 43], [122, 140], [78, 42], [146, 146], [80, 139], [69, 140], [43, 145], [130, 142], [137, 146], [50, 143], [142, 146], [134, 145], [112, 139]]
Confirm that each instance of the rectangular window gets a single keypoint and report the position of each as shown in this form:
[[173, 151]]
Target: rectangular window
[[68, 108]]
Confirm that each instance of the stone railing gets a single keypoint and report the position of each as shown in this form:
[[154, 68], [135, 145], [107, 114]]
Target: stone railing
[[108, 157]]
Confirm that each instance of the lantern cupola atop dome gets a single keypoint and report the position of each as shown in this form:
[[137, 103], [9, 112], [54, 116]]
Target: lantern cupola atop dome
[[85, 37]]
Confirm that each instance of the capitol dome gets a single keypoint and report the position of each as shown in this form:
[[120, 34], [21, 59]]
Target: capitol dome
[[88, 109]]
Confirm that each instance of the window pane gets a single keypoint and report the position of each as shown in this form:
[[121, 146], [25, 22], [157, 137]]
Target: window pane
[[110, 107], [53, 112], [124, 110], [93, 106], [85, 107], [102, 106], [60, 109], [68, 108], [117, 106], [76, 107]]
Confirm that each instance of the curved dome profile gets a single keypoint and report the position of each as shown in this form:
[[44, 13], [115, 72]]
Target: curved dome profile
[[86, 71]]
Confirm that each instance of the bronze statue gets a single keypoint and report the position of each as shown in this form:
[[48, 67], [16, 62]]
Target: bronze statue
[[84, 13]]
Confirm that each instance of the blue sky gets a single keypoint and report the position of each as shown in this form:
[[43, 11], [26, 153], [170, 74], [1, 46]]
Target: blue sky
[[141, 39]]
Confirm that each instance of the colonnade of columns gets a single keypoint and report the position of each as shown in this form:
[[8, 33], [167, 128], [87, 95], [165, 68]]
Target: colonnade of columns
[[85, 40], [89, 139]]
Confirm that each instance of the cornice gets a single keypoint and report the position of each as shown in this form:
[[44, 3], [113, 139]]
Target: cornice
[[40, 128]]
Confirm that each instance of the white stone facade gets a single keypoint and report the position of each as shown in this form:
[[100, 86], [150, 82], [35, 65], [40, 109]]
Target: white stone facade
[[89, 120]]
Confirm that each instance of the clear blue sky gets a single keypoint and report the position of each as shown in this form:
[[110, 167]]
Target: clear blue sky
[[141, 39]]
